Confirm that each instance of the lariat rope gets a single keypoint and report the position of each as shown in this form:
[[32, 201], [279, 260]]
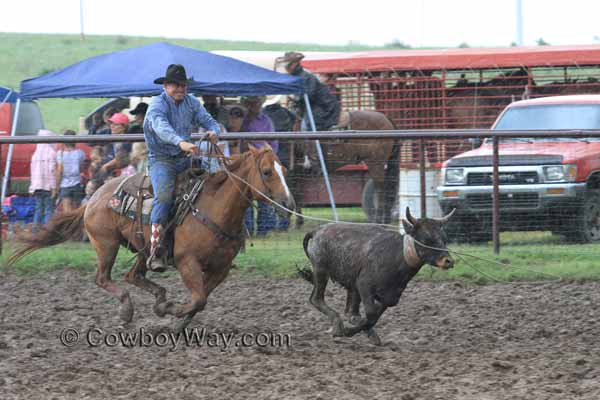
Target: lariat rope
[[460, 255]]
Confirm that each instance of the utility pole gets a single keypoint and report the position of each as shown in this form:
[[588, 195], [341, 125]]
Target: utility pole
[[81, 19], [519, 22]]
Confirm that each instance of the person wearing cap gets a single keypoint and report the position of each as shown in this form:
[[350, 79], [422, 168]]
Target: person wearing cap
[[139, 113], [168, 125], [325, 106], [257, 121], [119, 125]]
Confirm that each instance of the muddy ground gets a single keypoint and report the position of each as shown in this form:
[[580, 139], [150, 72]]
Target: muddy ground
[[443, 341]]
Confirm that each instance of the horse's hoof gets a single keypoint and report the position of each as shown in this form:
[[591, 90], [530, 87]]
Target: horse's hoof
[[160, 309], [126, 311], [181, 325], [354, 319], [373, 337], [338, 329]]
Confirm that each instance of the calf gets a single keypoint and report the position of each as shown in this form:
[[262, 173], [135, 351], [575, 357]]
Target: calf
[[374, 264]]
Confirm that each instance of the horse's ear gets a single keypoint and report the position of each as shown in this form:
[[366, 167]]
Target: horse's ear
[[267, 147], [252, 149]]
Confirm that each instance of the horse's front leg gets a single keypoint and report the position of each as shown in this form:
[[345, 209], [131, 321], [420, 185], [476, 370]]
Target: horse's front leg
[[193, 278]]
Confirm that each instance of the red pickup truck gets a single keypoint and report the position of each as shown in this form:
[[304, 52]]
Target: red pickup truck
[[545, 183]]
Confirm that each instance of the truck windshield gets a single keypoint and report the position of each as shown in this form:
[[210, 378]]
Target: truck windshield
[[551, 116]]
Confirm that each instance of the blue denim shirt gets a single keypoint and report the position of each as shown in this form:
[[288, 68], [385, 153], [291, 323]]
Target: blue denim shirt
[[167, 124]]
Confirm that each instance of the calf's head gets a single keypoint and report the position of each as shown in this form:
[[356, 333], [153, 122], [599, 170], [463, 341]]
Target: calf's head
[[429, 239]]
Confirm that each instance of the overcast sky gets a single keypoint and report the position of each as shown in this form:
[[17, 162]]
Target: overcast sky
[[416, 22]]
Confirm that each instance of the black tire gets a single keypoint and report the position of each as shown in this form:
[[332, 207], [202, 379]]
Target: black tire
[[586, 221]]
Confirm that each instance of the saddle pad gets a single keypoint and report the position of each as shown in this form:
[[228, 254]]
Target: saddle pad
[[126, 205]]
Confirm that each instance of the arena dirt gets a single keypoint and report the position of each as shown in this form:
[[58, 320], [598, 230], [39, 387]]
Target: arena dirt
[[443, 341]]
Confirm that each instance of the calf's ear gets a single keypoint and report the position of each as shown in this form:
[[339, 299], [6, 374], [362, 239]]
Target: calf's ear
[[409, 228]]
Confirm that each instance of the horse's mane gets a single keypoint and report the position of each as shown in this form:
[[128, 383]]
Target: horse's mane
[[214, 182]]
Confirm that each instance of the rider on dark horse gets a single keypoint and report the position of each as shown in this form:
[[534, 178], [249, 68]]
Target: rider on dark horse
[[325, 107], [167, 128]]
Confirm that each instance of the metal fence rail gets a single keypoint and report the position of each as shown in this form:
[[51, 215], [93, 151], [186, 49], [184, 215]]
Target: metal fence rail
[[420, 138]]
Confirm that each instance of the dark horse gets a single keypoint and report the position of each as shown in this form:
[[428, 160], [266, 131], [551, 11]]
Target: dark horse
[[202, 254], [381, 156]]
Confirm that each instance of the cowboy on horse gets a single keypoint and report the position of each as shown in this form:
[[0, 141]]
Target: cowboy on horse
[[167, 129], [325, 106]]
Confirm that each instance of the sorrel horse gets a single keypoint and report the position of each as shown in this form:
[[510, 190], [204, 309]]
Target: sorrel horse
[[203, 257], [381, 156]]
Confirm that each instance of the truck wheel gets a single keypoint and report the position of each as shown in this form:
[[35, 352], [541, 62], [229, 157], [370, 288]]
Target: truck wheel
[[586, 227]]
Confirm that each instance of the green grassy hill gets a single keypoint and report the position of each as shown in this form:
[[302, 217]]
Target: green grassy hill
[[30, 55]]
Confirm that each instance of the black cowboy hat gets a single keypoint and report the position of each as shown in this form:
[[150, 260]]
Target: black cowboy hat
[[175, 74], [141, 108]]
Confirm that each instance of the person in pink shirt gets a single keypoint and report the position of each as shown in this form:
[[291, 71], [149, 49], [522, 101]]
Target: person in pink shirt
[[43, 180]]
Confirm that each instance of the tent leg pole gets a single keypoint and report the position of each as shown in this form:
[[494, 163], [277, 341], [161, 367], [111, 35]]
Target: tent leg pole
[[1, 213], [13, 132], [321, 159]]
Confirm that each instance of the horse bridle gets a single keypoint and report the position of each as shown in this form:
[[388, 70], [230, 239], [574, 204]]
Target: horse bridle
[[257, 161], [262, 177]]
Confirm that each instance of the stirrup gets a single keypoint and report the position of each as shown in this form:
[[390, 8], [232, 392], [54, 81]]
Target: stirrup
[[156, 264]]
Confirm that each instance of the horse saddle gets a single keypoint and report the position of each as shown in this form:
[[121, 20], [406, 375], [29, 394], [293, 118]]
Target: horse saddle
[[134, 195]]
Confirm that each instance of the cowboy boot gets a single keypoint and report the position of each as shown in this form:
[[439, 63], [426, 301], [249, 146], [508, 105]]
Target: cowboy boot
[[155, 262]]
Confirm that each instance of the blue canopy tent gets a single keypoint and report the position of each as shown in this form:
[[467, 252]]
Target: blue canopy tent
[[131, 72], [8, 95]]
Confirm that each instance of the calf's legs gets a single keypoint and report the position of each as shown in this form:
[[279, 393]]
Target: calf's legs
[[317, 299], [352, 305]]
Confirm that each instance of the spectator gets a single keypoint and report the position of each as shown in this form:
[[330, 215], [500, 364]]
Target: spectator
[[235, 119], [139, 113], [68, 172], [119, 124], [96, 161], [257, 121], [214, 106], [283, 121], [104, 128], [43, 180], [139, 156], [97, 124], [90, 189]]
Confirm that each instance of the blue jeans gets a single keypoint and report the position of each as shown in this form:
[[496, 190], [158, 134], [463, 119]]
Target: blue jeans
[[265, 221], [163, 172], [44, 206]]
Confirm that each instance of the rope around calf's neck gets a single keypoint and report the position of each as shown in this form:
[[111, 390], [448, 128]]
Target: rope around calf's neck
[[460, 254]]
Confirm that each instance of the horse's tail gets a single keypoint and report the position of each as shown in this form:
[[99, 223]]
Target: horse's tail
[[62, 227], [305, 272]]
